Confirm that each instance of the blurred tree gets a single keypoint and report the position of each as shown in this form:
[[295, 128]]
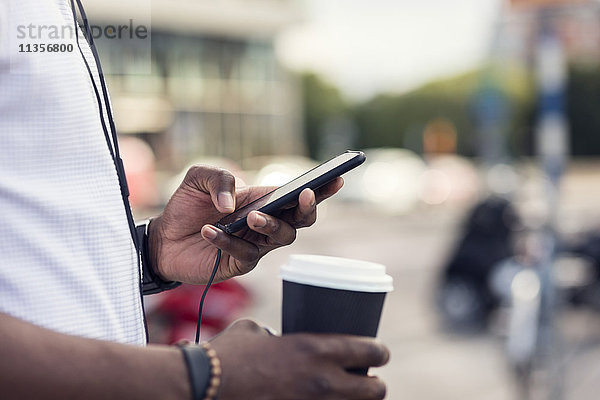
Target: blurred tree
[[322, 102], [398, 120]]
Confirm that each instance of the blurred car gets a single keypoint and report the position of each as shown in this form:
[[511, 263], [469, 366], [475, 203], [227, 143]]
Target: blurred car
[[450, 179], [390, 180], [278, 170], [173, 315]]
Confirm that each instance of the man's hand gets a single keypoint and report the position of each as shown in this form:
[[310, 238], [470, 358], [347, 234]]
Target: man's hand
[[256, 365], [183, 243]]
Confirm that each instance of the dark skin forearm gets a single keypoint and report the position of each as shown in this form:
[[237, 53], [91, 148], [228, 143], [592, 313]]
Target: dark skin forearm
[[41, 364]]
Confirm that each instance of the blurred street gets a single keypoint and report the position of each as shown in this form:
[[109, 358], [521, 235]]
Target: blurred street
[[428, 363]]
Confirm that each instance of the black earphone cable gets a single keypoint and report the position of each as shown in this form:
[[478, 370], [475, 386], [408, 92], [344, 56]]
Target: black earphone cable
[[113, 146], [90, 39], [210, 281], [93, 81]]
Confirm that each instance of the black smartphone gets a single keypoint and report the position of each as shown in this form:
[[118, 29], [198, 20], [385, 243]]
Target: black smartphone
[[276, 200]]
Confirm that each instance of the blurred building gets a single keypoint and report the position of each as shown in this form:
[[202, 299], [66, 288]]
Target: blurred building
[[210, 83]]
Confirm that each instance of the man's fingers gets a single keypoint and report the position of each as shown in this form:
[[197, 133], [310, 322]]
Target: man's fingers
[[273, 233], [248, 326], [305, 214], [219, 183], [355, 352], [344, 352], [300, 214], [237, 248], [339, 384], [277, 231], [363, 388], [329, 189]]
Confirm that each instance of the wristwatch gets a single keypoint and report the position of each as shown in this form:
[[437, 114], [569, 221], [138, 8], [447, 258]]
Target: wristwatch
[[151, 282]]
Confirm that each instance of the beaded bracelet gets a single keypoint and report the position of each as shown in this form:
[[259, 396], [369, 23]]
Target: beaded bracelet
[[204, 368], [215, 372]]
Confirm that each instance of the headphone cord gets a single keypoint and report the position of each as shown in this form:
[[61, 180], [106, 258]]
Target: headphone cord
[[113, 145], [210, 281], [110, 132]]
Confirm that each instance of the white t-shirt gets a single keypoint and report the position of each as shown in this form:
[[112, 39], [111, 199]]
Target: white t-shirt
[[67, 260]]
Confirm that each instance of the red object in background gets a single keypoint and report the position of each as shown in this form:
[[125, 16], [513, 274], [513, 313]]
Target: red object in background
[[173, 315], [140, 170]]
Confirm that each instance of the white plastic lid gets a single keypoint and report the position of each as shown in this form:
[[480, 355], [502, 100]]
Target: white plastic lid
[[337, 273]]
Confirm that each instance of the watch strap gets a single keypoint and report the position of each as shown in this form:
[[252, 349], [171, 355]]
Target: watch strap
[[151, 282]]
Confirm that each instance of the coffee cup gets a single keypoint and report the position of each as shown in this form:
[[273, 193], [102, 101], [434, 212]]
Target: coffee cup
[[324, 294]]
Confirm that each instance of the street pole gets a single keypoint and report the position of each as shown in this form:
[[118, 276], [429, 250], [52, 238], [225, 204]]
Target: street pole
[[551, 137]]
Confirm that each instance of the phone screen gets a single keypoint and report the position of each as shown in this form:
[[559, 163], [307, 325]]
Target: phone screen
[[289, 187]]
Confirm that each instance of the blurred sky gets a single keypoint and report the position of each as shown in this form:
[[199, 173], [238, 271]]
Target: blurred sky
[[370, 46]]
